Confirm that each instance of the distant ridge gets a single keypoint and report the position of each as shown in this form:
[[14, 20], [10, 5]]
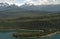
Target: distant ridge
[[6, 6]]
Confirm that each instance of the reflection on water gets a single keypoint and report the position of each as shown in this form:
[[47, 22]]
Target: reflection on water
[[8, 35]]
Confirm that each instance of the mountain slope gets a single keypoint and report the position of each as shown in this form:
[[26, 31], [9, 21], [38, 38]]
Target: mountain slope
[[14, 11], [6, 6], [42, 7]]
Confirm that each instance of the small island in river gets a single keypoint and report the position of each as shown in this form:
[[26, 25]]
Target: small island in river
[[35, 34]]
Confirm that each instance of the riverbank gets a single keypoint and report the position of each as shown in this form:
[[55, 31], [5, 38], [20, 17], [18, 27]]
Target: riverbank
[[49, 35], [34, 34]]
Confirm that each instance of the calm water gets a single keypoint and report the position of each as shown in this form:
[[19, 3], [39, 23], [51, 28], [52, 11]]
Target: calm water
[[6, 34]]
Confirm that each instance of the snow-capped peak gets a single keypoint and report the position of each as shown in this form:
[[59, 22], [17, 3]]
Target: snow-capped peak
[[40, 2], [4, 4], [28, 4], [33, 2], [7, 4]]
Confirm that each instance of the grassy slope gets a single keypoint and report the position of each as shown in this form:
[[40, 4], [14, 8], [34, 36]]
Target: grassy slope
[[39, 21]]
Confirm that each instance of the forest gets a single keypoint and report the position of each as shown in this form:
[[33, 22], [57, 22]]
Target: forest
[[38, 22]]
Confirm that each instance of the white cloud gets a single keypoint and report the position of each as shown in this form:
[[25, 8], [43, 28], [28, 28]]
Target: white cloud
[[7, 0], [36, 2], [44, 2]]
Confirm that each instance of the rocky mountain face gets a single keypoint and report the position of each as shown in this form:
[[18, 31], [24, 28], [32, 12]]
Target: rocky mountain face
[[13, 10], [30, 6]]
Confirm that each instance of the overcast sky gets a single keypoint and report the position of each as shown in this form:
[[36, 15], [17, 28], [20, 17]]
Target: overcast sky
[[36, 2]]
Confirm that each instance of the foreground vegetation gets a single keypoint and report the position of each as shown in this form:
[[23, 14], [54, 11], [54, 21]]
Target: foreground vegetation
[[49, 23], [44, 21], [35, 34]]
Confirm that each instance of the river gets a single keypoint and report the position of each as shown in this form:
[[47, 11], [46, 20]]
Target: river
[[7, 34]]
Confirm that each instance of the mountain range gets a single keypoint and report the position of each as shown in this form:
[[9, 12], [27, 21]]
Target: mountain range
[[6, 6], [13, 10]]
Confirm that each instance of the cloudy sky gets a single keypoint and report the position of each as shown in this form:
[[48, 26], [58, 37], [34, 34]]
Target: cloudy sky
[[36, 2]]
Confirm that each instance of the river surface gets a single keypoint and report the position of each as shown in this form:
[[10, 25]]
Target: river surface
[[7, 34]]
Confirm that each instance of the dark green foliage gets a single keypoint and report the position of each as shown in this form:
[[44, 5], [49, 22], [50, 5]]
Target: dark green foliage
[[45, 21]]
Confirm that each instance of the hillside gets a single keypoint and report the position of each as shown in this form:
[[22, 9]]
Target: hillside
[[43, 21], [16, 13]]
